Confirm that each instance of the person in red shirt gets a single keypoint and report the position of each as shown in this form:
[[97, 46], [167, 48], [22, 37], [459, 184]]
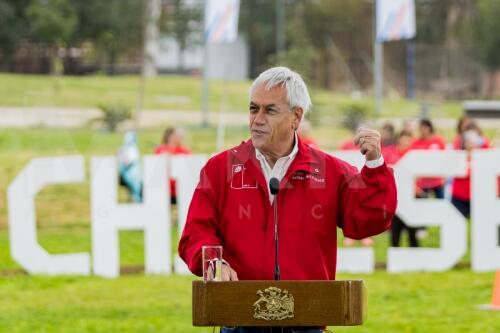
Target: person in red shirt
[[389, 143], [464, 124], [172, 144], [471, 138], [388, 135], [391, 157], [431, 141], [232, 205]]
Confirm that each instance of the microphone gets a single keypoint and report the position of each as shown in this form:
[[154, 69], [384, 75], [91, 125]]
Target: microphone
[[274, 185], [274, 188]]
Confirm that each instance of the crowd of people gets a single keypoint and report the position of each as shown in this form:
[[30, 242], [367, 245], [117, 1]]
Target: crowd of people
[[395, 144]]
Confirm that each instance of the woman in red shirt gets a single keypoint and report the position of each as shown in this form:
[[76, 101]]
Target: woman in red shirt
[[172, 144], [471, 138], [429, 140], [464, 124], [391, 157]]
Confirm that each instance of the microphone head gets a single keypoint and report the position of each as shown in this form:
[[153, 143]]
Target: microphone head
[[274, 186]]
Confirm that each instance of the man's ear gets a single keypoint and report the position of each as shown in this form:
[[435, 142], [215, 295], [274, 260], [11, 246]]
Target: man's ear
[[298, 112]]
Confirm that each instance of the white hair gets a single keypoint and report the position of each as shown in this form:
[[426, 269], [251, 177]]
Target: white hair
[[297, 94]]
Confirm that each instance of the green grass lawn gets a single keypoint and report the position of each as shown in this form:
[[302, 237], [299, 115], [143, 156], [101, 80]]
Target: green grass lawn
[[418, 302], [413, 302], [164, 92], [177, 93]]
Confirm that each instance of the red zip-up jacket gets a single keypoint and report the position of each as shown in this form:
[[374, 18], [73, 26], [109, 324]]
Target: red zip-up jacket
[[231, 207]]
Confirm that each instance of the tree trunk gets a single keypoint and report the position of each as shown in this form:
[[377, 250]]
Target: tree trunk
[[111, 61], [491, 84], [180, 57]]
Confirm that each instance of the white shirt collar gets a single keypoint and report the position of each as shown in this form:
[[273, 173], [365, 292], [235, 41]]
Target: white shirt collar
[[280, 167]]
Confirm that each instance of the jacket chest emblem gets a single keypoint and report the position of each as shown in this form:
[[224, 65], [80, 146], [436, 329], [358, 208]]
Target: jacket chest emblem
[[241, 179]]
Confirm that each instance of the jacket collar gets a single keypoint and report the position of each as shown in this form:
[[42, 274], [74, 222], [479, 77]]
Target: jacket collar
[[306, 159]]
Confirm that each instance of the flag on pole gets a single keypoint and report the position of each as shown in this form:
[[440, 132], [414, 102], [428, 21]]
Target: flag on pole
[[395, 20], [221, 21]]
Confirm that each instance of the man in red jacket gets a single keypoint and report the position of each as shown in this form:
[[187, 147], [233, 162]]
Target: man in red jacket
[[232, 205]]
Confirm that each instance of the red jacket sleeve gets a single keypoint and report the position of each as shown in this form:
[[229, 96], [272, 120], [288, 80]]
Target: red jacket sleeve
[[201, 223], [367, 201]]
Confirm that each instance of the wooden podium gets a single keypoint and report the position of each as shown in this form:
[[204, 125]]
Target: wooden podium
[[279, 303]]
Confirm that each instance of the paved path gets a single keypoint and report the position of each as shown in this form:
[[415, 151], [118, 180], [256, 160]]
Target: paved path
[[22, 117]]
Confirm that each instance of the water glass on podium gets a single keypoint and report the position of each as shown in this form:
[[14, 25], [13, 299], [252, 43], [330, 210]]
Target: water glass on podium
[[212, 262]]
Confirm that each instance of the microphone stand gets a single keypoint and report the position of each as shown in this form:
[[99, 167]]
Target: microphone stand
[[274, 189]]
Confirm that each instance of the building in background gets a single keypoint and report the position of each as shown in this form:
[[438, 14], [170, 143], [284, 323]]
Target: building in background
[[229, 61]]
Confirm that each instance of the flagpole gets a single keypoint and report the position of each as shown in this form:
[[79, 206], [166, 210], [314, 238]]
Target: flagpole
[[204, 100], [220, 25], [410, 70], [378, 54], [280, 29], [379, 76], [204, 97], [392, 20]]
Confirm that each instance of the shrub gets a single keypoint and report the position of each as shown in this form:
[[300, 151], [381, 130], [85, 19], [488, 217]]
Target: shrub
[[114, 114], [354, 113]]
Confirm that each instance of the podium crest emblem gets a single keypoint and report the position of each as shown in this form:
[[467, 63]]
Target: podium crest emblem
[[274, 304]]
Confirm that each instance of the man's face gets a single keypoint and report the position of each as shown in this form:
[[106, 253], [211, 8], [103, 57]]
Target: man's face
[[272, 123]]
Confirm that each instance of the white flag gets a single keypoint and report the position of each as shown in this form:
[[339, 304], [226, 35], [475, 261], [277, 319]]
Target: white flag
[[221, 20], [395, 20]]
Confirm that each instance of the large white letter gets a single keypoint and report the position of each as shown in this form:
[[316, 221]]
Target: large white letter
[[427, 212], [485, 209], [24, 246], [357, 260], [186, 172], [108, 217]]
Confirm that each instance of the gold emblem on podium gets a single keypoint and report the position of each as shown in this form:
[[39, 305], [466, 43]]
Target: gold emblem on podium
[[273, 304]]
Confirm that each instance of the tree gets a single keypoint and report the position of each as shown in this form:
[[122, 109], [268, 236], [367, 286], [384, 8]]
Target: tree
[[51, 23], [341, 34], [300, 52], [258, 24], [444, 21], [12, 26], [431, 21], [113, 26], [487, 33], [181, 19], [487, 37], [8, 27]]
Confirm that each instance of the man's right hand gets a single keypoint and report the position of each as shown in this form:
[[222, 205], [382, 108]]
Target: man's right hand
[[228, 274]]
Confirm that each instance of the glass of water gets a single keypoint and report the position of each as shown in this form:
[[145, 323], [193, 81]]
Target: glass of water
[[212, 262]]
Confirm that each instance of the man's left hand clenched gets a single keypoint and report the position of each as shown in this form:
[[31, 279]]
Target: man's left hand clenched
[[368, 141]]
